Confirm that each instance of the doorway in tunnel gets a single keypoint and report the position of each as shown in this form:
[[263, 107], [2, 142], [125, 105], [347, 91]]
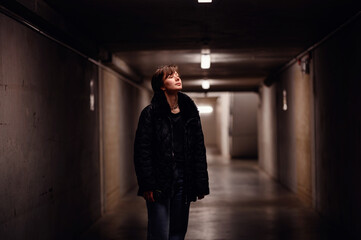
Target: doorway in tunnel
[[229, 122]]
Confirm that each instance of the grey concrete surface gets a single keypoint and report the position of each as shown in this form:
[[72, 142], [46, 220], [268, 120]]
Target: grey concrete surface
[[338, 128], [294, 131], [332, 90], [121, 107], [244, 204], [210, 125], [267, 131], [243, 129], [49, 158]]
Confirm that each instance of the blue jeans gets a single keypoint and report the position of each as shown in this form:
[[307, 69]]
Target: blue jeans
[[168, 218]]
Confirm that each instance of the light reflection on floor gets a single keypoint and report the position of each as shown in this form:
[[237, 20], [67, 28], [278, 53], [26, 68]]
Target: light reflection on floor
[[244, 204]]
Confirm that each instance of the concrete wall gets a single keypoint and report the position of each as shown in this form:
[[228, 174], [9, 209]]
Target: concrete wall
[[338, 128], [244, 125], [294, 131], [210, 124], [222, 118], [121, 107], [215, 125], [318, 137], [49, 158], [286, 123], [267, 131]]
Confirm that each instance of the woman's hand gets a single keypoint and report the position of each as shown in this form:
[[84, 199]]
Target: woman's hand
[[149, 196]]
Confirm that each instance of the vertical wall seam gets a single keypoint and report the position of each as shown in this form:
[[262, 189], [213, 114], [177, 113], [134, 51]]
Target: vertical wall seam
[[101, 142]]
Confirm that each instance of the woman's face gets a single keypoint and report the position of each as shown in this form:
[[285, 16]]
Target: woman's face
[[172, 83]]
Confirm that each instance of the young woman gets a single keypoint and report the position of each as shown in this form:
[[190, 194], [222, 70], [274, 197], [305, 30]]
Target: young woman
[[170, 157]]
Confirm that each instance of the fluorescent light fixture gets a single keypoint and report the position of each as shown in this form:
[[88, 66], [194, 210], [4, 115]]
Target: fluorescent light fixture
[[205, 84], [204, 1], [205, 61], [205, 58], [205, 109]]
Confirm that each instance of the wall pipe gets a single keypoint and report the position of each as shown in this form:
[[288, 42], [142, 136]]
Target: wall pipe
[[271, 79], [6, 11]]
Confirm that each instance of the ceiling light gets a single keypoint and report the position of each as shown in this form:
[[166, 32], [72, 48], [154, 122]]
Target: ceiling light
[[206, 61], [205, 109], [204, 1], [205, 58], [205, 84]]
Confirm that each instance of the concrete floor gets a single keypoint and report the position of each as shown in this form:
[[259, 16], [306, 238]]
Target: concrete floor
[[244, 204]]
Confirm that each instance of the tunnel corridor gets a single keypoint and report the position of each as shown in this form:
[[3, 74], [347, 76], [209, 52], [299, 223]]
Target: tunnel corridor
[[283, 134]]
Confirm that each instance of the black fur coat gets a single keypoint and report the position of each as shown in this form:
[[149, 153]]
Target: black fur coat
[[153, 149]]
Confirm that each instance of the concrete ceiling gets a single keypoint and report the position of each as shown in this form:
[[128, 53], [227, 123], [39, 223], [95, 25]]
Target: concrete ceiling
[[248, 39]]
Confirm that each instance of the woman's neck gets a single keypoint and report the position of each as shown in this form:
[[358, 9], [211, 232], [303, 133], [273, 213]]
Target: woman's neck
[[172, 99]]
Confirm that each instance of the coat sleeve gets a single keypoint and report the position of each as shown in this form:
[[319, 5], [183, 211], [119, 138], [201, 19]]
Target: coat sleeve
[[202, 185], [143, 153]]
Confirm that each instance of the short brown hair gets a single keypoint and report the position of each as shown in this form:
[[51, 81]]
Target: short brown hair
[[160, 74]]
